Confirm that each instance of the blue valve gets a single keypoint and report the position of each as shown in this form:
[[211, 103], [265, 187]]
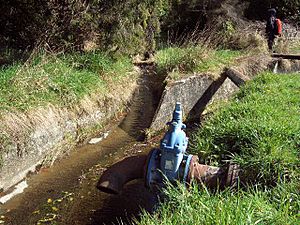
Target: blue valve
[[169, 162]]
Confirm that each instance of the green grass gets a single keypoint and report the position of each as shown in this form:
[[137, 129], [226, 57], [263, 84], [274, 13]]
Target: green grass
[[279, 206], [260, 130], [62, 80], [217, 60], [176, 61]]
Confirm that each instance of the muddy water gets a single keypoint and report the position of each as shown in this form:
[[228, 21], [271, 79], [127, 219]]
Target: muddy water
[[66, 193]]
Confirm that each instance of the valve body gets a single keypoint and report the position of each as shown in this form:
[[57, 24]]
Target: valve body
[[169, 162]]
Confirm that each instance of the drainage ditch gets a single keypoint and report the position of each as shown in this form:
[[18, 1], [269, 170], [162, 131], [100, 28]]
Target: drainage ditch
[[66, 193]]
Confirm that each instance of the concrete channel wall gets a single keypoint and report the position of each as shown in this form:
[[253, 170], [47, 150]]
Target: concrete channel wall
[[197, 91], [42, 135]]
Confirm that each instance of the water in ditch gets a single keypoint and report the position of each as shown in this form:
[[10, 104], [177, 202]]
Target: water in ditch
[[66, 193]]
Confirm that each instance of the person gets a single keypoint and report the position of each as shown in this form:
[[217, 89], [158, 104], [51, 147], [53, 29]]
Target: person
[[271, 28]]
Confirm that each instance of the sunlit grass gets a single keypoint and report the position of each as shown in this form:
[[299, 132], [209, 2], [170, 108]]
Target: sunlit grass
[[254, 206], [260, 130], [197, 59], [62, 80]]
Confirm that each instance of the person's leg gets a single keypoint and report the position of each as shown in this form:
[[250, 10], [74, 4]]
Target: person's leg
[[271, 42]]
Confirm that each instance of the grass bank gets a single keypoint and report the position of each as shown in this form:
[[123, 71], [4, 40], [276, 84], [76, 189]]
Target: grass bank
[[254, 206], [260, 130], [59, 79], [64, 79], [178, 62]]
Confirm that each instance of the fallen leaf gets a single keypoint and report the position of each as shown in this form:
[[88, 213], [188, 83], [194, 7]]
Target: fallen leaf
[[36, 212], [54, 208], [57, 200]]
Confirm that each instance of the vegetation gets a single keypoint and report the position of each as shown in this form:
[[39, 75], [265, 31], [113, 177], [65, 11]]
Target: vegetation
[[62, 80], [255, 206], [287, 9], [129, 26], [260, 130], [294, 47], [91, 44], [196, 59]]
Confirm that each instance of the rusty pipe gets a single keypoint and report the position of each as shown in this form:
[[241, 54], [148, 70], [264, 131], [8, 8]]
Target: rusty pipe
[[131, 168], [213, 177], [116, 176]]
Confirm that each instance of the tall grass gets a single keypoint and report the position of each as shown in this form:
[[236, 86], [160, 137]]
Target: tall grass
[[61, 80], [260, 130], [294, 47], [198, 206], [199, 59]]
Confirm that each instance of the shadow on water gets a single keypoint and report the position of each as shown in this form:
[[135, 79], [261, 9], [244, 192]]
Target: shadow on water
[[125, 207], [134, 199], [79, 172], [143, 105]]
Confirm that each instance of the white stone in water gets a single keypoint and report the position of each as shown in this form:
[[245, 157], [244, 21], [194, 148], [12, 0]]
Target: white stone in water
[[19, 188], [97, 140], [105, 135]]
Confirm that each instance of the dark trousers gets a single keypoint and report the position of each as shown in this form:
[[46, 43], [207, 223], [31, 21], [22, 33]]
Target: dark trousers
[[271, 39]]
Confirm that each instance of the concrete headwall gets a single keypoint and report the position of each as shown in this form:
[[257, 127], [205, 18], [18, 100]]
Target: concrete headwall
[[197, 91], [194, 93], [187, 91]]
